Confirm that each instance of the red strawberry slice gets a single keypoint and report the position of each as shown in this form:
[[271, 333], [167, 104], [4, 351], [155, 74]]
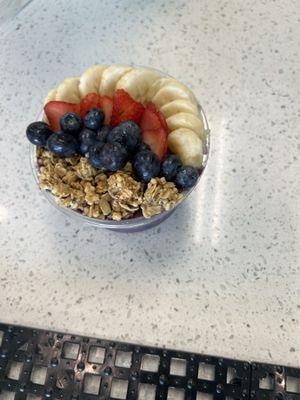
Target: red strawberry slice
[[125, 108], [106, 105], [152, 107], [54, 110], [87, 103], [153, 133]]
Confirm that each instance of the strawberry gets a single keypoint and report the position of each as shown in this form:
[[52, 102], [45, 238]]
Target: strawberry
[[87, 103], [153, 133], [152, 107], [54, 110], [106, 105], [125, 108]]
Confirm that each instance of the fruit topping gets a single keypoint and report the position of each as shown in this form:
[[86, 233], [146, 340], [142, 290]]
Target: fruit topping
[[125, 108], [71, 123], [87, 103], [153, 132], [186, 177], [102, 133], [62, 144], [111, 156], [38, 133], [128, 134], [146, 165], [87, 138], [54, 110], [170, 167], [94, 119], [106, 105]]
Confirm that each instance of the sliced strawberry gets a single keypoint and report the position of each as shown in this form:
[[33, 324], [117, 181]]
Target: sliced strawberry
[[157, 140], [152, 107], [87, 103], [54, 110], [106, 105], [153, 133], [125, 108]]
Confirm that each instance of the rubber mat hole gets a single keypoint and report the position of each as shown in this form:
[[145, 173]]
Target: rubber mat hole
[[204, 396], [96, 355], [91, 384], [1, 337], [70, 350], [292, 384], [123, 359], [38, 375], [178, 367], [206, 372], [119, 389], [175, 394], [231, 375], [6, 395], [150, 363], [267, 382], [146, 391], [15, 370]]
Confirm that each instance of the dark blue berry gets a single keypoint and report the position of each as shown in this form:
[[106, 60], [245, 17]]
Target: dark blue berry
[[111, 156], [146, 165], [94, 119], [142, 147], [62, 144], [186, 177], [103, 132], [71, 123], [128, 134], [170, 167], [87, 138], [38, 133]]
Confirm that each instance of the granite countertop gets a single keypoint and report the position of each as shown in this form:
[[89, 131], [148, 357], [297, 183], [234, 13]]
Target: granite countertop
[[221, 275]]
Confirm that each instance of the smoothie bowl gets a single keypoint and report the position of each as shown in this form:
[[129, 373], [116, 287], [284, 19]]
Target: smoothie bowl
[[119, 147]]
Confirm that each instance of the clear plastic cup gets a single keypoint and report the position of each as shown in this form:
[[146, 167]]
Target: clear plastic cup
[[134, 224]]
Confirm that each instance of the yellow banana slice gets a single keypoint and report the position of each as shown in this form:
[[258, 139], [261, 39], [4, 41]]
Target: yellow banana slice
[[137, 82], [173, 91], [187, 145], [51, 96], [187, 120], [68, 91], [162, 82], [111, 75], [178, 106], [90, 80]]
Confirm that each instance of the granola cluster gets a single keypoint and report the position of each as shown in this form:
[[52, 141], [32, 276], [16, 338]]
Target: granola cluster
[[102, 194]]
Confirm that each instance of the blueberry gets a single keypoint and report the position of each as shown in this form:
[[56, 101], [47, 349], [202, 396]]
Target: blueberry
[[186, 177], [87, 138], [128, 134], [103, 132], [38, 133], [111, 156], [71, 123], [146, 165], [170, 167], [142, 147], [62, 144], [94, 119]]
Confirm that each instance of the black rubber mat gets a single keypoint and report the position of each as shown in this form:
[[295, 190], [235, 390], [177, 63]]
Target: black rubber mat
[[36, 364]]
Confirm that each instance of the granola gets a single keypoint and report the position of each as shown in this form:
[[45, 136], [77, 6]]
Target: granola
[[101, 194]]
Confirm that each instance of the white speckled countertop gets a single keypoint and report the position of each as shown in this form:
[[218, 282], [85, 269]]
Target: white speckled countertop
[[221, 276]]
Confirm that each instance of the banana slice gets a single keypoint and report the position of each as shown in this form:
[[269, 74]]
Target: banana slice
[[187, 145], [137, 82], [110, 77], [172, 91], [68, 91], [186, 120], [178, 106], [51, 96], [162, 82], [90, 80]]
